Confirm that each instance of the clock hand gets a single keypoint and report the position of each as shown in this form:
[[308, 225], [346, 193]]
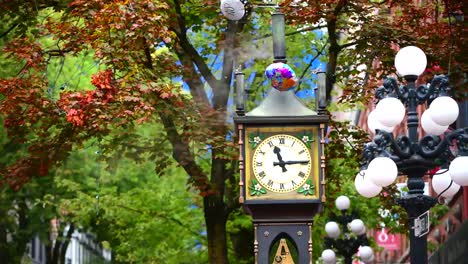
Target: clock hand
[[277, 151], [291, 162]]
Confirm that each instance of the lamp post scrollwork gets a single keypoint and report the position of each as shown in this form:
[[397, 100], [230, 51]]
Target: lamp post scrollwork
[[386, 157]]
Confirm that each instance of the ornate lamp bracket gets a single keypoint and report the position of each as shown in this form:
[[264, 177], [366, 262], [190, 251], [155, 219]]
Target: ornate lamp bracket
[[439, 86], [385, 145], [436, 148]]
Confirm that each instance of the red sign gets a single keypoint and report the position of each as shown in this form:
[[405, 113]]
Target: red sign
[[386, 240]]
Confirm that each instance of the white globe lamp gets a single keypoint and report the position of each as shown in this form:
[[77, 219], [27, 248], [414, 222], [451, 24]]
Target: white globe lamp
[[233, 9], [441, 181], [373, 123], [365, 253], [357, 227], [391, 111], [342, 203], [458, 170], [328, 256], [332, 229], [444, 110], [365, 187], [429, 126], [410, 60], [382, 171], [369, 260]]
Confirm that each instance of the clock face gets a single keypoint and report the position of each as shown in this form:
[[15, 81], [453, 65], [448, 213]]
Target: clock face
[[281, 163]]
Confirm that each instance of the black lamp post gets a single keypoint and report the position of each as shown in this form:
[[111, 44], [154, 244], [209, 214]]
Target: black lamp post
[[387, 157], [352, 238]]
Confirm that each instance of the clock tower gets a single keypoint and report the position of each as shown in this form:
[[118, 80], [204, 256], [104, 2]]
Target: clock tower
[[281, 161], [282, 172]]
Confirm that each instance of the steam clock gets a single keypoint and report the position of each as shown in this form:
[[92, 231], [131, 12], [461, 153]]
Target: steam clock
[[281, 161], [282, 168]]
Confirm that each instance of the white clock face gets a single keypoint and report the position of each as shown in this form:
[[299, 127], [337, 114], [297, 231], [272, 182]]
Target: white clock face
[[281, 163]]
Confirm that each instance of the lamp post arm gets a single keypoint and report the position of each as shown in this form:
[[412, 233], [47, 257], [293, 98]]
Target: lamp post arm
[[401, 146], [390, 88], [439, 87], [434, 146], [462, 141]]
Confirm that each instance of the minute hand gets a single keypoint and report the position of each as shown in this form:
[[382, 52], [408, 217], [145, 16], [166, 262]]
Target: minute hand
[[291, 162]]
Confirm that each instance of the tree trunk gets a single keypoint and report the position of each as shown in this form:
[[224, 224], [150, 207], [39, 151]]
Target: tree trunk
[[65, 244], [334, 49], [215, 219], [4, 254], [23, 235]]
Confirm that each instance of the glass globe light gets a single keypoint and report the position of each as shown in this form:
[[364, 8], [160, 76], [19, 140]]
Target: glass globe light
[[328, 256], [342, 203], [370, 260], [373, 123], [332, 229], [391, 111], [357, 227], [458, 170], [365, 253], [429, 126], [365, 187], [444, 110], [410, 60], [441, 180], [233, 9], [382, 171]]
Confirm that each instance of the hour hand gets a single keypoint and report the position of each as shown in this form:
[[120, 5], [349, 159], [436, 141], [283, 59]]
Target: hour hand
[[281, 163]]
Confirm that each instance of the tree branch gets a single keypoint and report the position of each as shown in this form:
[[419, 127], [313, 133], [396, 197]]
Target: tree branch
[[198, 60], [9, 30], [344, 46], [183, 155], [192, 79], [190, 50], [221, 91], [180, 18], [319, 52], [311, 28], [334, 48]]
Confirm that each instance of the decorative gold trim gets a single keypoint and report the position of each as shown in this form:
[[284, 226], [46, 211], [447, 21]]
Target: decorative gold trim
[[310, 242], [322, 160], [314, 150], [255, 244], [240, 128]]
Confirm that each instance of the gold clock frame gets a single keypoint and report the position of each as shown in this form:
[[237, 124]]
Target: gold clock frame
[[315, 150]]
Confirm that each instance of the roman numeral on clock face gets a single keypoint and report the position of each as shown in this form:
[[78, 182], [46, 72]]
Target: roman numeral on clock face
[[282, 140], [261, 174], [270, 183], [281, 163]]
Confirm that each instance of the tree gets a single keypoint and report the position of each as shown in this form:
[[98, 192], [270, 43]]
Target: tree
[[141, 46], [139, 215]]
